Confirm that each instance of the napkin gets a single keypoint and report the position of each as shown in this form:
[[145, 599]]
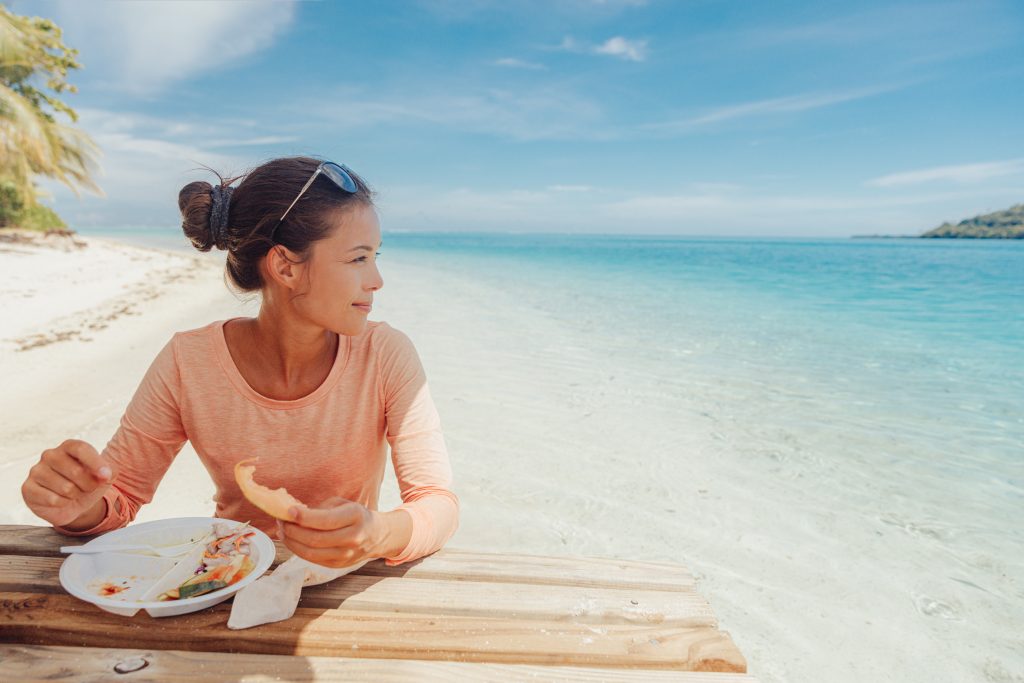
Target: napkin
[[275, 596]]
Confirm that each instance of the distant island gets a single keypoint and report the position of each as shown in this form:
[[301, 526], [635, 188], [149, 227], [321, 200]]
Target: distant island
[[1007, 224]]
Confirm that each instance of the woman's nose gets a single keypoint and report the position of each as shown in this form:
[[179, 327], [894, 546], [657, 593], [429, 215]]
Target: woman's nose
[[377, 281]]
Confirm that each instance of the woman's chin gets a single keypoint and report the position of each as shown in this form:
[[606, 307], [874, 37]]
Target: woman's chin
[[351, 328]]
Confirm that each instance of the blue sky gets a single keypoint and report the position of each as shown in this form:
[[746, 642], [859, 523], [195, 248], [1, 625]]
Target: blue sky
[[688, 117]]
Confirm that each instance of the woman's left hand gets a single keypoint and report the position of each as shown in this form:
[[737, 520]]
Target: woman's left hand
[[340, 533]]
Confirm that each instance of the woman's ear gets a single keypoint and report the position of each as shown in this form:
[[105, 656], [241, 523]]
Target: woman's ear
[[284, 267]]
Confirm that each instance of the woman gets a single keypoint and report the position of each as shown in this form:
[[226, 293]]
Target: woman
[[309, 386]]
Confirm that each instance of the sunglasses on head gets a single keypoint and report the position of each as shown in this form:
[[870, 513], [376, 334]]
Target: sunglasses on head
[[337, 173]]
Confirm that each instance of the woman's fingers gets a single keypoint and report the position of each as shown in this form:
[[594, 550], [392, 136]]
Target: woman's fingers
[[52, 480], [79, 462], [89, 457], [54, 471], [328, 518], [52, 507], [38, 496], [345, 537], [336, 536], [339, 526], [327, 557]]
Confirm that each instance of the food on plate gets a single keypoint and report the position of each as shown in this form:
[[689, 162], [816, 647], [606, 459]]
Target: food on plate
[[109, 589], [275, 502], [225, 560]]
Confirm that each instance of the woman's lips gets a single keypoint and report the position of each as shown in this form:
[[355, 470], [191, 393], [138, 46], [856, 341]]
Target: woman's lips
[[366, 308]]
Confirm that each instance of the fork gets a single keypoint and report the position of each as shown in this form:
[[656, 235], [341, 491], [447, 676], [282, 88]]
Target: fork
[[163, 551]]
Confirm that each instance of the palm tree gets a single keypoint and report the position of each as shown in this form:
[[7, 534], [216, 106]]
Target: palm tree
[[32, 141]]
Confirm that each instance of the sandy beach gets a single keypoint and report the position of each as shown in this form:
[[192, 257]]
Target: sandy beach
[[558, 447]]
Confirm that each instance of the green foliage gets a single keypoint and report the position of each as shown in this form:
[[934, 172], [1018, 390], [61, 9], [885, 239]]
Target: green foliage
[[11, 204], [32, 141], [14, 213], [41, 218], [1008, 224], [32, 46]]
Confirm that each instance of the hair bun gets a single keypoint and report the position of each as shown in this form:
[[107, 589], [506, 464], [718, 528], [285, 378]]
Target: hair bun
[[195, 202]]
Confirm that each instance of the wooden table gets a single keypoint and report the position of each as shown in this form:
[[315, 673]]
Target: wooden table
[[452, 616]]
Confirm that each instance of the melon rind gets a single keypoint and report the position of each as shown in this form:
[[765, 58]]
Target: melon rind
[[275, 502]]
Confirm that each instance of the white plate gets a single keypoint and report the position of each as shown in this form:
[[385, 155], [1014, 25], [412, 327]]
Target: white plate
[[83, 575]]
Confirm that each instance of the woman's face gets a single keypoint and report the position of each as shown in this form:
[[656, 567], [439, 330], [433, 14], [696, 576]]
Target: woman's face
[[342, 274]]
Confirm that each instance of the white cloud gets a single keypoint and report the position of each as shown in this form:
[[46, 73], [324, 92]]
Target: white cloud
[[513, 63], [569, 44], [668, 206], [771, 107], [143, 167], [906, 24], [703, 208], [632, 50], [523, 11], [142, 47], [145, 172], [252, 142], [616, 46], [533, 114], [963, 173], [756, 212], [569, 188]]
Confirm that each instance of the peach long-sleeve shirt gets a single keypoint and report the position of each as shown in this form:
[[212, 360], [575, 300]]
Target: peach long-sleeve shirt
[[332, 442]]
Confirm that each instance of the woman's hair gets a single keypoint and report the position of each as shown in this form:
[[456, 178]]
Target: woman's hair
[[254, 208]]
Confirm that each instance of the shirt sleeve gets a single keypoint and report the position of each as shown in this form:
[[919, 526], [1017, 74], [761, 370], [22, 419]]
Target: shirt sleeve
[[149, 437], [418, 450]]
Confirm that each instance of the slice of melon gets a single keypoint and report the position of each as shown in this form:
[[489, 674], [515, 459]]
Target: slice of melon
[[275, 502]]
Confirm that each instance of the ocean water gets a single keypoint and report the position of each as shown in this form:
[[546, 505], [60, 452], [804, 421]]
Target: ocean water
[[924, 337], [835, 440]]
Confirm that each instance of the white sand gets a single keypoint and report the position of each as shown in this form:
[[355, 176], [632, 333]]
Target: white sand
[[82, 328], [558, 448]]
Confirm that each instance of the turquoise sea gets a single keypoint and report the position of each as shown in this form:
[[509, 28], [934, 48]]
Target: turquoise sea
[[923, 337]]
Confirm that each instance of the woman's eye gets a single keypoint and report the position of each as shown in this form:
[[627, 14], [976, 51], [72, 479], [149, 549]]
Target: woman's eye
[[363, 258]]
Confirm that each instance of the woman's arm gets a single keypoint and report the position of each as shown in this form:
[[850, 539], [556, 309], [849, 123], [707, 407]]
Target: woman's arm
[[418, 450], [149, 437]]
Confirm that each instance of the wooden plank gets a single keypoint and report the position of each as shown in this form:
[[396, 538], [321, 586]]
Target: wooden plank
[[445, 564], [29, 574], [96, 665], [17, 539], [40, 619], [512, 601], [574, 571], [396, 595]]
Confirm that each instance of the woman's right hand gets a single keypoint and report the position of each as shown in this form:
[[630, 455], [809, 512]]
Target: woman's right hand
[[68, 483]]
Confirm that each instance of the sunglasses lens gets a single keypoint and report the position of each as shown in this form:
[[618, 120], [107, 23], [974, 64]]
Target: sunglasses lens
[[340, 176]]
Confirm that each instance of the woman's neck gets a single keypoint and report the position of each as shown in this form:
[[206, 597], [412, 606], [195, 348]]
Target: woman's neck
[[282, 357], [289, 344]]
